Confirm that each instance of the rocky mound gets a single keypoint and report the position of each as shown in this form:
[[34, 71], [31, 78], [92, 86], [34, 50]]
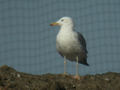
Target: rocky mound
[[10, 79]]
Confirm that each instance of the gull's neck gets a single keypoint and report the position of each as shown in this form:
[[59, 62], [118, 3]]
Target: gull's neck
[[65, 32], [66, 28]]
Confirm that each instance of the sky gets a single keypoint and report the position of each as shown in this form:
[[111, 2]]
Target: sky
[[28, 42]]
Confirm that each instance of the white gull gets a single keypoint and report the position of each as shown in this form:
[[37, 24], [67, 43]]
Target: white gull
[[70, 44]]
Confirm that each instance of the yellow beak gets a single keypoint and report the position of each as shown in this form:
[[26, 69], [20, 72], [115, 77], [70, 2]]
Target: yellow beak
[[54, 24]]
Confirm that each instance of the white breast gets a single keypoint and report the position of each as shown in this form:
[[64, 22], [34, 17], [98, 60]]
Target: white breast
[[66, 41]]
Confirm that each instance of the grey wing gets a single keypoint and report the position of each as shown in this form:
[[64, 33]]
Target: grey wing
[[82, 41]]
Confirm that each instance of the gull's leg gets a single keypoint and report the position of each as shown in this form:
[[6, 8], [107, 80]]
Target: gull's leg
[[77, 71], [65, 65]]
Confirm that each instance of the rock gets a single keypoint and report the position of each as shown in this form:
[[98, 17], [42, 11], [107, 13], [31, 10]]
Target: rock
[[10, 79]]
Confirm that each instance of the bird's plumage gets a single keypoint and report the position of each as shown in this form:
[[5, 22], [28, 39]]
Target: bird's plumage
[[70, 43]]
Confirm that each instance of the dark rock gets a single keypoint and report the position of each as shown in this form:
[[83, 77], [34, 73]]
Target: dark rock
[[10, 79]]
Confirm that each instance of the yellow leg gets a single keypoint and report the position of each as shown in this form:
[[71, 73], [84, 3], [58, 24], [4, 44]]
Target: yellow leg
[[77, 66], [77, 70], [65, 65]]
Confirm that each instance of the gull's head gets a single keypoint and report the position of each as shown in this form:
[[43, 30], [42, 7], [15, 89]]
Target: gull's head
[[64, 21]]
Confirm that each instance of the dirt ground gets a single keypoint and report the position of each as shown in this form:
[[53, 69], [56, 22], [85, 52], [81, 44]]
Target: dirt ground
[[10, 79]]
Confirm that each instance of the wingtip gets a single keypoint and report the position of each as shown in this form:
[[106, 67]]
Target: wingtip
[[87, 64]]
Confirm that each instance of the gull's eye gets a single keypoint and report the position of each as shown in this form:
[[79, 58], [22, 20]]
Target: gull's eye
[[62, 20]]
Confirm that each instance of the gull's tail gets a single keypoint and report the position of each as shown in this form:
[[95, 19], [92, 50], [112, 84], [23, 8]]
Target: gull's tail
[[84, 62]]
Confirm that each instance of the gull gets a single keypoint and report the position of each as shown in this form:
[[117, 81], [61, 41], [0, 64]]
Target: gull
[[70, 44]]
